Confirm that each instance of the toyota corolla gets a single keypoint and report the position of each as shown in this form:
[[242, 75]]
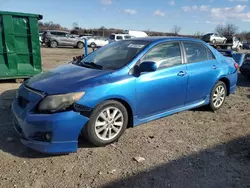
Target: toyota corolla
[[121, 85]]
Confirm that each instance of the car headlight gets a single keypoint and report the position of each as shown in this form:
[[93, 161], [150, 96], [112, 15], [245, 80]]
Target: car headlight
[[55, 103]]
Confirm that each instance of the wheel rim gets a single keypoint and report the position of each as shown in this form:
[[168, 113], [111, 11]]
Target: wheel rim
[[53, 44], [219, 96], [109, 123], [80, 45]]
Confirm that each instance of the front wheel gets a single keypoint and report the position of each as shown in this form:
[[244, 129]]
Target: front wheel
[[107, 123], [80, 45], [218, 95]]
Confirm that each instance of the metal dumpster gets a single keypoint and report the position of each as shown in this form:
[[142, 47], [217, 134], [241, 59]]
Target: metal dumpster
[[20, 55]]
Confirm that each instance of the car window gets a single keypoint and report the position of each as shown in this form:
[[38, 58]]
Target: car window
[[127, 37], [210, 54], [195, 52], [164, 55], [53, 33], [247, 59], [119, 37], [62, 34]]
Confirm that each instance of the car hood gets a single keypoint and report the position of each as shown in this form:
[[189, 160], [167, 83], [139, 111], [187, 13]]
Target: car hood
[[67, 78]]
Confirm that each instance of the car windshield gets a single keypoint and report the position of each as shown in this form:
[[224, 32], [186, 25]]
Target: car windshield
[[115, 55]]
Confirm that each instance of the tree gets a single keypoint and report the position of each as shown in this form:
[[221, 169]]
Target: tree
[[198, 34], [50, 25], [227, 30], [103, 29], [176, 29], [75, 25]]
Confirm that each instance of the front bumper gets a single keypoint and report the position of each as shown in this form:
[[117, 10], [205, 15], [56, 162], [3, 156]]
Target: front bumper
[[64, 128]]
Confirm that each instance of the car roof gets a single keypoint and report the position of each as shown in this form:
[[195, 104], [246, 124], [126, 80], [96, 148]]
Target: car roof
[[121, 34], [56, 31], [165, 38]]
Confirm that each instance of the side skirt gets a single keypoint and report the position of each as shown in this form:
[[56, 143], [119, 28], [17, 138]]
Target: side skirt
[[138, 121]]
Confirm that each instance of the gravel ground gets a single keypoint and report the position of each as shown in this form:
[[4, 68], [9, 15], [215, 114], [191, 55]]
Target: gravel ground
[[196, 148]]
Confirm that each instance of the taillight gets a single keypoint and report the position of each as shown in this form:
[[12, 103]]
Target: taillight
[[236, 65]]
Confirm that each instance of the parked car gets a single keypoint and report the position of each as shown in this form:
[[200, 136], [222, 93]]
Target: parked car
[[85, 37], [54, 38], [120, 85], [94, 42], [118, 37], [245, 68], [214, 38], [246, 45], [41, 37], [135, 33]]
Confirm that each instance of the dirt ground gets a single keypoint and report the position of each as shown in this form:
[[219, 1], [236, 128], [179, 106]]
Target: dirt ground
[[191, 149]]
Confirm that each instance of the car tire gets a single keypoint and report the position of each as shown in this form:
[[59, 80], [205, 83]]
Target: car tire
[[80, 45], [93, 45], [218, 96], [53, 44], [102, 128]]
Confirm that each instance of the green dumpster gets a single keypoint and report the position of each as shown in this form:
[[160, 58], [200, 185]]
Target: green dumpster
[[20, 55]]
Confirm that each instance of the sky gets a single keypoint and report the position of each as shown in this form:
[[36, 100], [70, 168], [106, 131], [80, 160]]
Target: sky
[[155, 15]]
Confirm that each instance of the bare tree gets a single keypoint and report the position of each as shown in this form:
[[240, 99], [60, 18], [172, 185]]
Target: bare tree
[[50, 25], [176, 29], [75, 25], [228, 29], [103, 29], [198, 34]]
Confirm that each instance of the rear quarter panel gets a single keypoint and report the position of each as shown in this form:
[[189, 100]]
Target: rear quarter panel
[[226, 69], [229, 71]]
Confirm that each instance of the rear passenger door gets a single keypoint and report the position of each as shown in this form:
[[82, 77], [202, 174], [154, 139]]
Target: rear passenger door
[[202, 69], [61, 36], [71, 40]]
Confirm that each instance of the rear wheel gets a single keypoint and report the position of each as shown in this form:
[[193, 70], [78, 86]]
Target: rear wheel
[[218, 95], [107, 123], [53, 44], [93, 45]]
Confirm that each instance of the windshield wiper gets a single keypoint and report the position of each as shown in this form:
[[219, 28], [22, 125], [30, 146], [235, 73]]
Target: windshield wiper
[[92, 64]]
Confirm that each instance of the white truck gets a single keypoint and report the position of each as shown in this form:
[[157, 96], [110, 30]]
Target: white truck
[[135, 33]]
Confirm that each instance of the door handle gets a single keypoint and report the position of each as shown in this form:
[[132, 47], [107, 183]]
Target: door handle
[[181, 73], [214, 67]]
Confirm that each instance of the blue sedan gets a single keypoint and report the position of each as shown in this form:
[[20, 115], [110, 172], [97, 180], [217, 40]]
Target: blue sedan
[[121, 85]]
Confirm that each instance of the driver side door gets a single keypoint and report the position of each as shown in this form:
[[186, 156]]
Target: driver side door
[[165, 89]]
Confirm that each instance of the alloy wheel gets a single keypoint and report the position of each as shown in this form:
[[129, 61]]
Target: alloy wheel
[[219, 96], [109, 123]]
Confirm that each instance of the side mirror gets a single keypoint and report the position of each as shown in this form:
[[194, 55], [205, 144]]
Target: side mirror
[[148, 66]]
